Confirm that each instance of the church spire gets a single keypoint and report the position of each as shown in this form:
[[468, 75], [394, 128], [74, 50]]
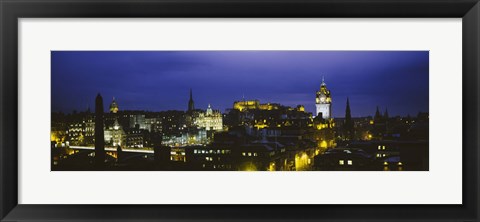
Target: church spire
[[377, 114], [349, 126], [191, 104], [347, 110]]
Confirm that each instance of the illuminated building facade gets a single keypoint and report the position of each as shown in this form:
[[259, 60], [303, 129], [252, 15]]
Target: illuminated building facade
[[323, 102], [80, 130], [255, 105], [246, 105], [193, 137], [114, 135], [135, 138], [76, 133], [211, 120]]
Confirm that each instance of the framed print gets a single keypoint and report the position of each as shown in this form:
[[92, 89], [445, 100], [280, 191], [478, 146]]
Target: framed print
[[260, 110]]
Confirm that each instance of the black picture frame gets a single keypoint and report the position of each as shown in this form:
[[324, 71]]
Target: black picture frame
[[11, 11]]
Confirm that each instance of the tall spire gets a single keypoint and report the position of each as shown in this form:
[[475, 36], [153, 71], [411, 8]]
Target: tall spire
[[377, 114], [323, 81], [191, 104], [349, 126], [347, 110]]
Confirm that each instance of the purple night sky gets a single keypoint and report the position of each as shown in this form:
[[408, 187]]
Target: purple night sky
[[160, 80]]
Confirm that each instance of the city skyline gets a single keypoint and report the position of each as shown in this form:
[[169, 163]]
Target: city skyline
[[396, 80]]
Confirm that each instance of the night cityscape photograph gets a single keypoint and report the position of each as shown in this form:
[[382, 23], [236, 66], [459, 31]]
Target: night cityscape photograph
[[239, 110]]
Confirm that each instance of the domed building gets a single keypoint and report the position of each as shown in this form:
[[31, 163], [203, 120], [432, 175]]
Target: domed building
[[209, 120], [114, 106]]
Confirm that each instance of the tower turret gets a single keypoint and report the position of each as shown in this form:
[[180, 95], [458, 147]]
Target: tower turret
[[323, 101], [209, 110], [113, 106]]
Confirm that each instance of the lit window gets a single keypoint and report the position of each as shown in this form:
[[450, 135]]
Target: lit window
[[243, 154], [349, 162], [400, 163], [254, 154], [383, 155], [341, 162], [383, 147], [379, 147], [385, 163], [249, 154]]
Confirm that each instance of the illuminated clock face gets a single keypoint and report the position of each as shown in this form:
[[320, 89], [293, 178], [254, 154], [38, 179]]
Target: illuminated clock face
[[322, 99]]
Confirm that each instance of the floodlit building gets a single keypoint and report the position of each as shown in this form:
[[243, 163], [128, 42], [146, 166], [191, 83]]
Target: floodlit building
[[76, 133], [246, 104], [323, 102], [115, 136], [255, 105], [209, 120], [135, 138]]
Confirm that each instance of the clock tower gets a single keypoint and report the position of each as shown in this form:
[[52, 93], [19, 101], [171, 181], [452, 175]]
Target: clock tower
[[323, 101]]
